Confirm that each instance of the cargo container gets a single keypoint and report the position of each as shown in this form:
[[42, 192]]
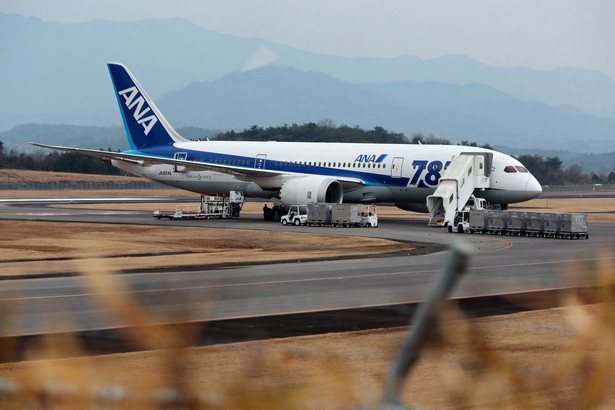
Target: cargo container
[[496, 222], [534, 224], [319, 214], [516, 223], [550, 224], [573, 225]]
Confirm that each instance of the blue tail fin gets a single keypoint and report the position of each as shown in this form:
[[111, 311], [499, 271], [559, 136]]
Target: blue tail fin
[[145, 125]]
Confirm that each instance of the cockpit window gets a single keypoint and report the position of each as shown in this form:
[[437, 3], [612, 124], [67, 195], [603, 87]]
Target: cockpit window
[[510, 169], [521, 169]]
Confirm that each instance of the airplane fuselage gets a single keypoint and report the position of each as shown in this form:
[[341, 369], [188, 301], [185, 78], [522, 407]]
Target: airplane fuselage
[[403, 174]]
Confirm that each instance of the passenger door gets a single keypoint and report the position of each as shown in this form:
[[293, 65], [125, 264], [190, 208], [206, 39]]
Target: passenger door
[[396, 167], [181, 156], [259, 162]]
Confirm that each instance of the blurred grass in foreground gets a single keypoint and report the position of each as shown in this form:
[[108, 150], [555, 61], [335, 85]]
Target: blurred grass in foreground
[[466, 365]]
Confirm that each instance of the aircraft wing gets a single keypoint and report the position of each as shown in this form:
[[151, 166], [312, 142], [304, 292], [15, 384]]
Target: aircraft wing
[[144, 159]]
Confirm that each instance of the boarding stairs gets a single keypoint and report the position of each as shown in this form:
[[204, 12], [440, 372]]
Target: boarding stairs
[[466, 172]]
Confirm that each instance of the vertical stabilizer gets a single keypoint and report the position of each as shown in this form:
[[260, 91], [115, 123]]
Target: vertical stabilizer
[[145, 125]]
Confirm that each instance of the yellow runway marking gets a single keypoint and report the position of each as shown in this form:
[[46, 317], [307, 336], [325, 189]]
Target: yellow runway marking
[[507, 244]]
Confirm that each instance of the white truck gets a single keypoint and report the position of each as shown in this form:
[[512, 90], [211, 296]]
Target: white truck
[[461, 221], [297, 215]]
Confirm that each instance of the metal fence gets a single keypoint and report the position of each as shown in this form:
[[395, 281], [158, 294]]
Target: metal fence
[[592, 187]]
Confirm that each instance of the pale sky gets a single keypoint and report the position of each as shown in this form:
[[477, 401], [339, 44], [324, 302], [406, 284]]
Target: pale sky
[[540, 34]]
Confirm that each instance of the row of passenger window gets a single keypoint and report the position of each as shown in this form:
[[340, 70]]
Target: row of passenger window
[[328, 164], [300, 163], [239, 162]]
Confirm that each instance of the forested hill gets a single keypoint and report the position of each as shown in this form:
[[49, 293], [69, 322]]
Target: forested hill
[[311, 132]]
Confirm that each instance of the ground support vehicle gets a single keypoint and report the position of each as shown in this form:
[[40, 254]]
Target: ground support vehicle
[[369, 216], [461, 220], [539, 224], [297, 215], [211, 207]]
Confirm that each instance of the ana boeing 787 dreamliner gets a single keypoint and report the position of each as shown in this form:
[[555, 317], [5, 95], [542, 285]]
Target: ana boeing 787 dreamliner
[[294, 172]]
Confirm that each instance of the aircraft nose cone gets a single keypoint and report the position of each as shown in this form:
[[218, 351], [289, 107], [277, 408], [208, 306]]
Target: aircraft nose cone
[[533, 188]]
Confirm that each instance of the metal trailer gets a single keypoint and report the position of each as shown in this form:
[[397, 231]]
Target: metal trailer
[[346, 214], [550, 224], [478, 221], [573, 225], [516, 223], [534, 224], [496, 222], [319, 214]]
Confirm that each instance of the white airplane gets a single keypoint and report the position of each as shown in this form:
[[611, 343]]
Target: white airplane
[[294, 172]]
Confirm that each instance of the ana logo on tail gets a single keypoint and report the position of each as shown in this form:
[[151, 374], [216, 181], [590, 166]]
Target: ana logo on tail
[[130, 101]]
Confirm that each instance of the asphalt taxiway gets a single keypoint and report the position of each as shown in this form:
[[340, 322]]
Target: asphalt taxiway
[[500, 265]]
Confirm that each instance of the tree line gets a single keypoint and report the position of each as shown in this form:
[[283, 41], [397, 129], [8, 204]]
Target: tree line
[[56, 162], [547, 170], [324, 131]]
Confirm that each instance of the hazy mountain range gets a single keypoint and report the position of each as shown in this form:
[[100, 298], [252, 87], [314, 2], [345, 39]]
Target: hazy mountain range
[[272, 95], [55, 73]]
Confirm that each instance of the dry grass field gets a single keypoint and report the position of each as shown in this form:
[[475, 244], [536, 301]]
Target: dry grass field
[[35, 248], [557, 358], [597, 209]]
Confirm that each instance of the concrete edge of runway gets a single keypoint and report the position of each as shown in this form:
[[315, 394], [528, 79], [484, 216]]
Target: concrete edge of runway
[[247, 329]]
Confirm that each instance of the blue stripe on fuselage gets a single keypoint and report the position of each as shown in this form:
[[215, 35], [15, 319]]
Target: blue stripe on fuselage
[[372, 179]]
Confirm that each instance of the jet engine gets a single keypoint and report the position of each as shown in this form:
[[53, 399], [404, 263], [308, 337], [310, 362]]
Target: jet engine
[[308, 190]]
